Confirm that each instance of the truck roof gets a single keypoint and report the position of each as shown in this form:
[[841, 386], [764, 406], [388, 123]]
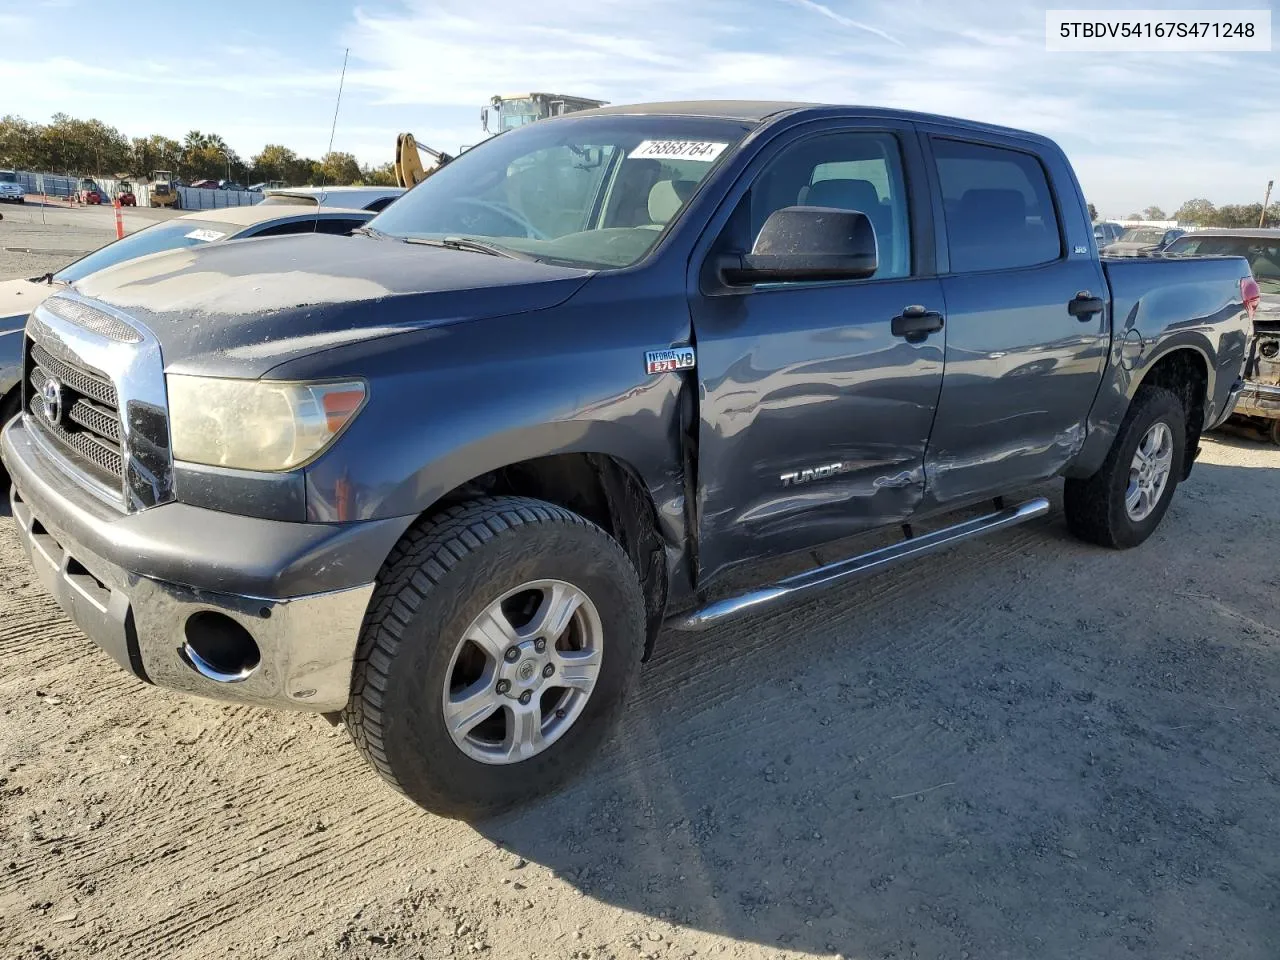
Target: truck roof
[[757, 111]]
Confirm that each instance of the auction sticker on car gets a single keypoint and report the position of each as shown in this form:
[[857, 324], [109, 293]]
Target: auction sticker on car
[[677, 150], [208, 236]]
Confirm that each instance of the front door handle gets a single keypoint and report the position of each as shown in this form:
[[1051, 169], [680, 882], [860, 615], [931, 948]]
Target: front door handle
[[1085, 305], [915, 323]]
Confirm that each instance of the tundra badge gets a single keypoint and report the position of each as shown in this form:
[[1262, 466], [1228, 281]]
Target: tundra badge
[[797, 477], [669, 361]]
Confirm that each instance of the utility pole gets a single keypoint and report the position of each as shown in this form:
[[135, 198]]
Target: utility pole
[[1262, 220]]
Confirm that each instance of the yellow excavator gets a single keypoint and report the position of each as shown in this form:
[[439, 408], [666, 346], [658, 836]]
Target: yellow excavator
[[502, 114]]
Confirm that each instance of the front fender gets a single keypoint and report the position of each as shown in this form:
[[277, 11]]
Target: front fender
[[452, 404]]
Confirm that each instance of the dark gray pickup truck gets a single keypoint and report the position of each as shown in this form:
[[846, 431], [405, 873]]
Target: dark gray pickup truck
[[451, 477]]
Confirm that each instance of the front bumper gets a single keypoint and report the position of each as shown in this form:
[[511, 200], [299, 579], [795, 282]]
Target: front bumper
[[1259, 400], [133, 583], [12, 197]]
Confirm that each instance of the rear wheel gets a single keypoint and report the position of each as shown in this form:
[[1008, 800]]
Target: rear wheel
[[1274, 432], [498, 651], [1122, 504]]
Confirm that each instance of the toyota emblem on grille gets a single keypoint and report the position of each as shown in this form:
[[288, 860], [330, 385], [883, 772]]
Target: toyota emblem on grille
[[51, 397]]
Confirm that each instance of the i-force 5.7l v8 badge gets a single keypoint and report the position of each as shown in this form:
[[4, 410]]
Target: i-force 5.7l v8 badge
[[669, 361]]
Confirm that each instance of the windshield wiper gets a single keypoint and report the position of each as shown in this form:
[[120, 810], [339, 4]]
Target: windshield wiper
[[471, 245], [368, 231]]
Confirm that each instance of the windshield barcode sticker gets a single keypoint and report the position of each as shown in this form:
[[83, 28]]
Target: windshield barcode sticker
[[677, 150], [208, 236]]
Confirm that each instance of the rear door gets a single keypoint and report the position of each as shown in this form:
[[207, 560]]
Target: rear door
[[1022, 363], [814, 415]]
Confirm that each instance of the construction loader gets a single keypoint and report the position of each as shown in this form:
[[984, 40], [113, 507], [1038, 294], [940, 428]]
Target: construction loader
[[503, 112]]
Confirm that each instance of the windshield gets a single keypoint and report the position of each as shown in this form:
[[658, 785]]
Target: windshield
[[163, 236], [8, 176], [1142, 235], [591, 191], [1263, 254]]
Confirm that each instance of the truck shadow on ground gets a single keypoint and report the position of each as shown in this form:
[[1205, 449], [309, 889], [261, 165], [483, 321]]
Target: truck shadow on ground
[[1024, 747]]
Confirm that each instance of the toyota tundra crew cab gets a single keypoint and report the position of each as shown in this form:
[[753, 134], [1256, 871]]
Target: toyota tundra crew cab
[[450, 478]]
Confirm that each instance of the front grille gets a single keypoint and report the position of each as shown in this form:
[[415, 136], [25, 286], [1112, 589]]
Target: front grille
[[87, 429]]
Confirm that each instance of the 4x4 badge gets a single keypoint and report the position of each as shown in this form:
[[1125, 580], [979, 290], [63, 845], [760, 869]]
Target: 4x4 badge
[[669, 361]]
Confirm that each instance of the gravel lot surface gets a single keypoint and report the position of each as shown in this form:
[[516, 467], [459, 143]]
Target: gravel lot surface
[[35, 239], [1024, 748]]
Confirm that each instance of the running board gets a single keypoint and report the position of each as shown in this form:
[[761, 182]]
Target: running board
[[864, 564]]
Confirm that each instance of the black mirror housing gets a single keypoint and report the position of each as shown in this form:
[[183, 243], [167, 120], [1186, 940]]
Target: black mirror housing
[[807, 243]]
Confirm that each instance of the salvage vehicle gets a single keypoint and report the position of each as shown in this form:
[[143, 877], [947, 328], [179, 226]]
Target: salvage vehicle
[[19, 297], [1142, 241], [11, 190], [1106, 232], [449, 479], [374, 199], [1260, 246]]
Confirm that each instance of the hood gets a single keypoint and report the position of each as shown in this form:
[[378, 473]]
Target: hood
[[18, 298], [242, 307]]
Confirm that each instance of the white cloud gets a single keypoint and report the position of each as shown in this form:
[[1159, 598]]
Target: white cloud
[[1141, 129]]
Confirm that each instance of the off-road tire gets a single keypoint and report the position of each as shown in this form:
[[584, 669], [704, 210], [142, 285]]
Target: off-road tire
[[1273, 431], [438, 579], [1095, 507]]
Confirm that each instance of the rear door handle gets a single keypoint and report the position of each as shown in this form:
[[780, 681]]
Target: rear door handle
[[1085, 305], [915, 323]]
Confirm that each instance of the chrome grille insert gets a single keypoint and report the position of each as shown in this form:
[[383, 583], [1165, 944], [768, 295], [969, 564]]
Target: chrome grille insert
[[106, 419], [92, 319], [89, 432]]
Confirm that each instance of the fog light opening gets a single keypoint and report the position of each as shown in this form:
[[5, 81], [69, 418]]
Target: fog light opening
[[219, 648]]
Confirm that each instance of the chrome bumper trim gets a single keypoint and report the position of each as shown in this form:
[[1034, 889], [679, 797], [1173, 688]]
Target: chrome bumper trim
[[307, 643]]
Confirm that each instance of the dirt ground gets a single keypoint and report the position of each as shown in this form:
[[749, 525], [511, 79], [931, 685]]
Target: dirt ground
[[1024, 748]]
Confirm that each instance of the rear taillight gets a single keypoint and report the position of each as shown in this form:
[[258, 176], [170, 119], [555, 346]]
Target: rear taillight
[[1249, 294]]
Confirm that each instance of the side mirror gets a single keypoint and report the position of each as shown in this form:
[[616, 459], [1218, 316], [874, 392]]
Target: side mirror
[[484, 119], [807, 243]]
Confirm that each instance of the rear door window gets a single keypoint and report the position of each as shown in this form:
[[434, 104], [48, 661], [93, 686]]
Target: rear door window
[[998, 207]]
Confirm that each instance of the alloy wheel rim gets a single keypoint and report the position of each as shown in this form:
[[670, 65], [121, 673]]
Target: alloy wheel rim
[[1149, 471], [522, 672]]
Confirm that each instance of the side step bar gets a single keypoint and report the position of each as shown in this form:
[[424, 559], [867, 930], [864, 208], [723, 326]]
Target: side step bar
[[864, 564]]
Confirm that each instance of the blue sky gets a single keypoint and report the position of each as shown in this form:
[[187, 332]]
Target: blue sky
[[1155, 128]]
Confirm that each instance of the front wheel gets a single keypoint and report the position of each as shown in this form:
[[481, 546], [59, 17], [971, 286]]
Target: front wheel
[[499, 648], [1122, 504]]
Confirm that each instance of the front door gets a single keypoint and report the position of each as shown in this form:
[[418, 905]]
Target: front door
[[814, 416]]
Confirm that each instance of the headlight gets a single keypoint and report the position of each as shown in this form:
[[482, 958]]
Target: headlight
[[257, 424]]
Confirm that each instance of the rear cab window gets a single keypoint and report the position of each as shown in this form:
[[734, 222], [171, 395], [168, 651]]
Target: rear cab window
[[997, 205]]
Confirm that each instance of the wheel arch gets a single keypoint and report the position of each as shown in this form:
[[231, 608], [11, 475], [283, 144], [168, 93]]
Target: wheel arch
[[602, 487], [1184, 369]]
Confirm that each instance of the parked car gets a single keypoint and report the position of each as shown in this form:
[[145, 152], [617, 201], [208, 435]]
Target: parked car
[[1260, 399], [205, 184], [11, 190], [1107, 232], [451, 478], [229, 185], [361, 198], [19, 297], [1142, 241]]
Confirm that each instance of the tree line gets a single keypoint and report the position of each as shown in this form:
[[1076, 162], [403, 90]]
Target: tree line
[[1202, 213], [81, 148]]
